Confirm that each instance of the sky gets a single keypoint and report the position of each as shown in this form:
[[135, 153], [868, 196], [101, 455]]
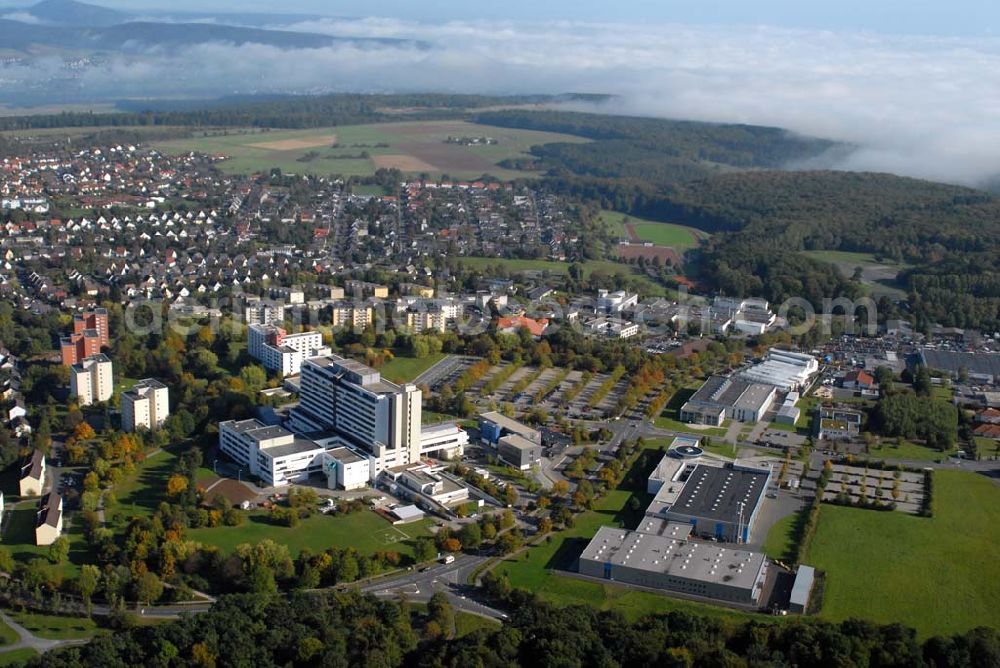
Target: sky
[[928, 17]]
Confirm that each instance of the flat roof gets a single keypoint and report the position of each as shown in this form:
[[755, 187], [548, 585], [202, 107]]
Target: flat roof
[[507, 423], [803, 585], [407, 513], [714, 493], [297, 446], [519, 442], [705, 562], [345, 455], [754, 396], [981, 364]]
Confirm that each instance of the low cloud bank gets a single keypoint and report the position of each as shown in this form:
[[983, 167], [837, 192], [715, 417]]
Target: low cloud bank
[[918, 106]]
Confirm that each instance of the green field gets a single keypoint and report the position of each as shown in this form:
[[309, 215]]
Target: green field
[[16, 657], [54, 627], [406, 369], [142, 492], [414, 147], [907, 450], [940, 575], [8, 636], [364, 530]]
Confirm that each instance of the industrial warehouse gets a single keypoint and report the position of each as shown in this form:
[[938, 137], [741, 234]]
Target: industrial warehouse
[[693, 496], [659, 555], [719, 501]]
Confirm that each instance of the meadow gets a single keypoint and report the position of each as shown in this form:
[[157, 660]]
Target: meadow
[[414, 147], [939, 575], [363, 530]]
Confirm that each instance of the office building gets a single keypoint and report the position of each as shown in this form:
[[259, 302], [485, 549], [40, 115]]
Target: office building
[[282, 352], [370, 414], [519, 452], [92, 380], [145, 406], [274, 454], [721, 398], [345, 469], [493, 426], [615, 302]]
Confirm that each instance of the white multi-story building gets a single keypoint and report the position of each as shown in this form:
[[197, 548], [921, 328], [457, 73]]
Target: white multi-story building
[[369, 413], [261, 312], [351, 315], [92, 379], [274, 454], [613, 328], [146, 405], [283, 352], [615, 302]]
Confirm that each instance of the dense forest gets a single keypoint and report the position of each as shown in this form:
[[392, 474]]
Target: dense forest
[[653, 150], [348, 629], [304, 111]]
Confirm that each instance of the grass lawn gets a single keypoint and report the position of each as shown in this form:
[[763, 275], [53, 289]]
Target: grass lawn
[[8, 636], [55, 627], [466, 623], [531, 569], [142, 492], [19, 538], [807, 411], [420, 143], [940, 575], [364, 530], [406, 369], [781, 538], [16, 657], [907, 450]]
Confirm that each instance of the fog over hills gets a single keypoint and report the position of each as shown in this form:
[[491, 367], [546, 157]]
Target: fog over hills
[[915, 105]]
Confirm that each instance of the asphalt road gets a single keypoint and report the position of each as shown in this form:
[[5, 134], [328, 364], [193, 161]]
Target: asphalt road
[[452, 579]]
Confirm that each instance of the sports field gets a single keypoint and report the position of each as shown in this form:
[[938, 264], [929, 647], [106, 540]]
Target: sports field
[[940, 575], [680, 237], [415, 147], [364, 530]]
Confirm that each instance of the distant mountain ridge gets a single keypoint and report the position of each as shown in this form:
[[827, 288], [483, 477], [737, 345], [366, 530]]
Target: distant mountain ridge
[[72, 13], [71, 25]]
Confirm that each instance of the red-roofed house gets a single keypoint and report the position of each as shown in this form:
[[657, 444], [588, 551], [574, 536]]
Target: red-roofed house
[[858, 379], [511, 325]]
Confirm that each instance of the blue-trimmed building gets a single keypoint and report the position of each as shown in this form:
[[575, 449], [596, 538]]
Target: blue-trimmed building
[[493, 426]]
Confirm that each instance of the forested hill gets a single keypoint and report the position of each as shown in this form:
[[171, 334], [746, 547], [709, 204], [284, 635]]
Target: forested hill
[[289, 111], [654, 150], [347, 629], [900, 218], [946, 236]]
